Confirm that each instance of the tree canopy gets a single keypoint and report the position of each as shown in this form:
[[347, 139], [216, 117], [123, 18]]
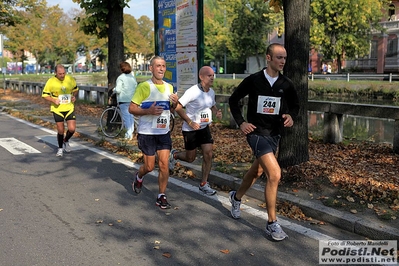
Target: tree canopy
[[343, 27], [237, 28], [97, 14], [11, 10], [339, 28], [104, 19], [53, 36], [250, 27]]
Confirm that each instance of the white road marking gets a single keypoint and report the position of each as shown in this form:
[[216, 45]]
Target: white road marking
[[16, 147], [177, 181]]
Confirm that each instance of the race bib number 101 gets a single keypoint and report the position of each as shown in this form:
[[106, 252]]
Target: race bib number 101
[[204, 116]]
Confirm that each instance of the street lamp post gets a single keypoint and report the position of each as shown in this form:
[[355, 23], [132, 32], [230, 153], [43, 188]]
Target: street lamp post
[[2, 62], [225, 60]]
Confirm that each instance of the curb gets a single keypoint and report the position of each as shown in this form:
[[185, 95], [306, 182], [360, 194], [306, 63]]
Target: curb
[[343, 220]]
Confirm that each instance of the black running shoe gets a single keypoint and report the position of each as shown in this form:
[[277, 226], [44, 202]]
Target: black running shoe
[[136, 185], [163, 203]]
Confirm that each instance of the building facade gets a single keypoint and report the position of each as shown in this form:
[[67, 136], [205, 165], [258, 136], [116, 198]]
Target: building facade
[[384, 54]]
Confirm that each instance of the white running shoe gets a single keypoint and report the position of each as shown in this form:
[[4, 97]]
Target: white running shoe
[[235, 205], [67, 147], [59, 153], [207, 189], [275, 231]]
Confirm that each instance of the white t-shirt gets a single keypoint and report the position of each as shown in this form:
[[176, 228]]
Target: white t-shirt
[[270, 79], [198, 106]]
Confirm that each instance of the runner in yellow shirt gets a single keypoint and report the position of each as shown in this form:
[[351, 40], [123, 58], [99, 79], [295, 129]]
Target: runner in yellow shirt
[[61, 91]]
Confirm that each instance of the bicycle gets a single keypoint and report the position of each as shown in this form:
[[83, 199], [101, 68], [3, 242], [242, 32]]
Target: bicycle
[[171, 122], [111, 123]]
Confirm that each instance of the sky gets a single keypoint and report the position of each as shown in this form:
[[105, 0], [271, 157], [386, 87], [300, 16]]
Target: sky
[[137, 7]]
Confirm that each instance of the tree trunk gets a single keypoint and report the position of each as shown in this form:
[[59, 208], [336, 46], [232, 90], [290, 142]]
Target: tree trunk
[[115, 43], [295, 141]]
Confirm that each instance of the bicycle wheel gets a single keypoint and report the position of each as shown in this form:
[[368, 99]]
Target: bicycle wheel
[[111, 122], [171, 122]]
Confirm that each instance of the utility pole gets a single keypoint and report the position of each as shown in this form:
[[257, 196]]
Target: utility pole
[[225, 60]]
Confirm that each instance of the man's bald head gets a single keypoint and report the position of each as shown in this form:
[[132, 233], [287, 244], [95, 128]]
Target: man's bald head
[[206, 76], [206, 70]]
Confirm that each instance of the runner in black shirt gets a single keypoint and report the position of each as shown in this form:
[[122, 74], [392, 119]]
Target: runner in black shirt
[[272, 104]]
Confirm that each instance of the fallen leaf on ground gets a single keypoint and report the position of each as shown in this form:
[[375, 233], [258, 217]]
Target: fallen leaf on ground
[[350, 199], [167, 255], [262, 205]]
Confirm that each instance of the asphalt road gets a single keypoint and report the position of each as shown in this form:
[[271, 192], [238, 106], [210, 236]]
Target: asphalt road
[[80, 210]]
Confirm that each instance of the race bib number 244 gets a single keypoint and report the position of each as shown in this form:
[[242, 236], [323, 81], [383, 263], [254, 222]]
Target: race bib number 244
[[268, 105]]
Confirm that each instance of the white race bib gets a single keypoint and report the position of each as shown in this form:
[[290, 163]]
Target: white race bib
[[203, 116], [64, 98], [268, 105], [162, 121]]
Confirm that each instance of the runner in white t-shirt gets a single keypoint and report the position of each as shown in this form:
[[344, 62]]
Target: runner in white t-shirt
[[199, 102]]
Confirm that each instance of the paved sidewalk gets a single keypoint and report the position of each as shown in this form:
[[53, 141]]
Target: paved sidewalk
[[370, 227]]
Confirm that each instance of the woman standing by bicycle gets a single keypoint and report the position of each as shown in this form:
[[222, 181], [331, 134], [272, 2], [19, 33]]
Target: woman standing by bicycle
[[125, 87]]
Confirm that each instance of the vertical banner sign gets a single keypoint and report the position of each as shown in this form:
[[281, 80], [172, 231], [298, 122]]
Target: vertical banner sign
[[186, 43], [167, 38], [176, 34]]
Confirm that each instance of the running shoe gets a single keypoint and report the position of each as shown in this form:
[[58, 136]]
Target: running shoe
[[67, 147], [137, 185], [59, 153], [162, 202], [172, 160], [275, 231], [235, 205], [207, 189]]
